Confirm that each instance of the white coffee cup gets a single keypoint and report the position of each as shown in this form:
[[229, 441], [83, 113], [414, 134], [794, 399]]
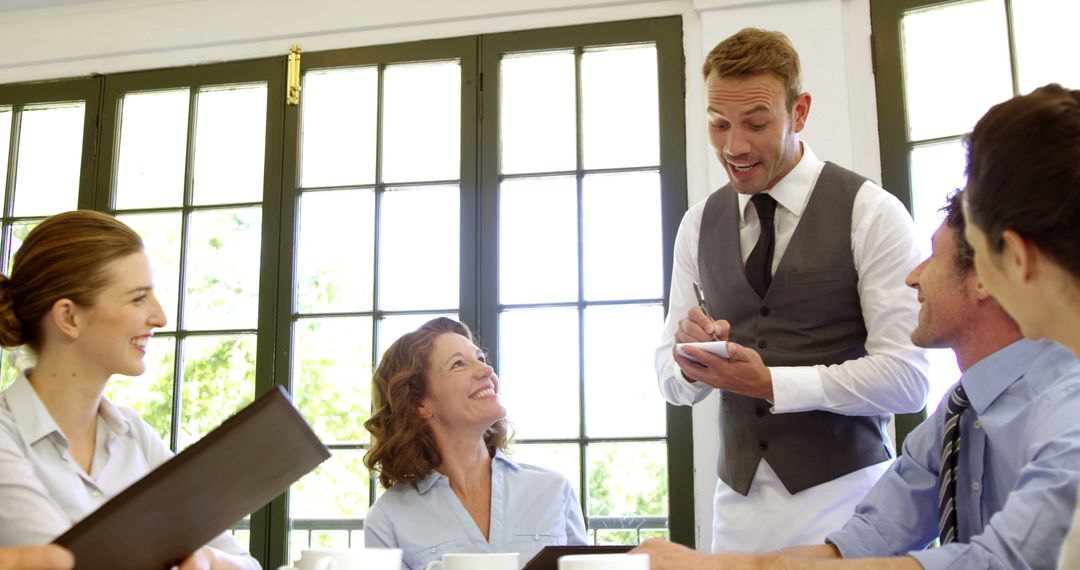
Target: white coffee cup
[[366, 559], [617, 561], [476, 561]]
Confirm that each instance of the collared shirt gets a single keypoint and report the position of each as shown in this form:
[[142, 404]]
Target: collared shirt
[[1017, 478], [891, 378], [43, 489], [531, 508]]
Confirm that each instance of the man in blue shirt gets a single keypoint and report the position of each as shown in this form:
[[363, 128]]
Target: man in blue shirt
[[1019, 458]]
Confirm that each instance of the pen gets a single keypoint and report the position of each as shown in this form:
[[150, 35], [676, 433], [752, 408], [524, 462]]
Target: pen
[[704, 306]]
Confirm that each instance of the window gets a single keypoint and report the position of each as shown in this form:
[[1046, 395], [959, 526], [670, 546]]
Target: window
[[46, 135], [933, 85], [529, 184]]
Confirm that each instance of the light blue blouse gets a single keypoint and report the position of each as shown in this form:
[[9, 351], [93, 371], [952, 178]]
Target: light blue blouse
[[531, 508]]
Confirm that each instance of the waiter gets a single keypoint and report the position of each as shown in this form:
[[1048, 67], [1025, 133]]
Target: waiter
[[802, 263]]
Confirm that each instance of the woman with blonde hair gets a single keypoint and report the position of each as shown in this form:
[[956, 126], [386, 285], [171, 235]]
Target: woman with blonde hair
[[439, 435], [80, 296]]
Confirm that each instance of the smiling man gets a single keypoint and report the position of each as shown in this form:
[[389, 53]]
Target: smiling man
[[802, 264]]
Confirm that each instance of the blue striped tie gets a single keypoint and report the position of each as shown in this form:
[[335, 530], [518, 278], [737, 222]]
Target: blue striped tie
[[950, 455]]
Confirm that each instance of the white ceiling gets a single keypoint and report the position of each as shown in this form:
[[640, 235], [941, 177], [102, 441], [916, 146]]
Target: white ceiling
[[16, 5]]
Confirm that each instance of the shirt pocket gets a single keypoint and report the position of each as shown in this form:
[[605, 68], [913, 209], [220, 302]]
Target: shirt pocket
[[417, 557], [547, 536]]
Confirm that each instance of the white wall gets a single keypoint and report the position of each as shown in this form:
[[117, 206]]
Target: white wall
[[832, 37]]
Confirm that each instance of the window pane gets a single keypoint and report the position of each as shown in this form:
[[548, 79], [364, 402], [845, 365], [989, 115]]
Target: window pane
[[5, 145], [218, 380], [338, 488], [538, 240], [50, 155], [161, 236], [626, 479], [537, 112], [419, 248], [620, 382], [422, 122], [1043, 31], [223, 269], [339, 121], [936, 170], [19, 231], [153, 149], [230, 142], [151, 395], [393, 327], [336, 251], [332, 376], [532, 391], [948, 82], [619, 117], [622, 251], [562, 457]]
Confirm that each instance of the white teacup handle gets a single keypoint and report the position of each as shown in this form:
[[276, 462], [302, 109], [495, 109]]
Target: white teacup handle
[[433, 564]]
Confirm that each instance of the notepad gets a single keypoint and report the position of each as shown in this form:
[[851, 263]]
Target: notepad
[[717, 347], [204, 490]]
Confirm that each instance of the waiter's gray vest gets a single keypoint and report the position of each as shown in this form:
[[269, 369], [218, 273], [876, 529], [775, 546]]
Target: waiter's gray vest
[[810, 315]]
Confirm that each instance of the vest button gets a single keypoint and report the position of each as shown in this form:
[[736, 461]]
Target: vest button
[[761, 412], [764, 311], [762, 343], [763, 445]]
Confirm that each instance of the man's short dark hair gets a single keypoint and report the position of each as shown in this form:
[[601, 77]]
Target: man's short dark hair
[[963, 255]]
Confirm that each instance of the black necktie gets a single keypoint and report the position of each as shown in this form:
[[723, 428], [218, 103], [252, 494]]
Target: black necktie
[[950, 455], [759, 264]]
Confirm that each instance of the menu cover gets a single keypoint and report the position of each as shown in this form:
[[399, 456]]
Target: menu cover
[[201, 492], [548, 558]]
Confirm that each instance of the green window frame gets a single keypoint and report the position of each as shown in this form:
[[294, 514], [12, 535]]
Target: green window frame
[[479, 58]]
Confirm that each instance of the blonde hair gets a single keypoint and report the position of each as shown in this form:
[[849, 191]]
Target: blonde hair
[[753, 51], [403, 448]]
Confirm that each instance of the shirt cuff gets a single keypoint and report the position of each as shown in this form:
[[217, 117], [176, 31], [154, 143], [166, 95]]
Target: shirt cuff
[[859, 539], [796, 389]]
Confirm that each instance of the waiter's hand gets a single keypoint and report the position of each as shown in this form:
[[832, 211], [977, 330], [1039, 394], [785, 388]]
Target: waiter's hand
[[743, 373], [46, 557], [698, 327]]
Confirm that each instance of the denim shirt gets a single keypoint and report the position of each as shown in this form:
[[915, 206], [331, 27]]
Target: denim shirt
[[531, 508], [1018, 467]]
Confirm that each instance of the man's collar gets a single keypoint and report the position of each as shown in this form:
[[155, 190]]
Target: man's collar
[[988, 378], [790, 192]]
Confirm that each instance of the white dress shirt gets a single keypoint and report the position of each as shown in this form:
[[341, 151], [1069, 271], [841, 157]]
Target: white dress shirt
[[891, 378], [44, 491]]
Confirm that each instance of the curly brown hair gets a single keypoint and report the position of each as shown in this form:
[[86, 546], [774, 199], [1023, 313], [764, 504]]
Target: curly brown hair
[[403, 448], [65, 257], [753, 51]]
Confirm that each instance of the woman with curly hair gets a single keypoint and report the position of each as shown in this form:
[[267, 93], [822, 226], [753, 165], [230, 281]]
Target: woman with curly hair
[[80, 296], [439, 434]]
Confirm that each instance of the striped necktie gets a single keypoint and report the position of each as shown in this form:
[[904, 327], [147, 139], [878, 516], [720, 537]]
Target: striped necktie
[[950, 455]]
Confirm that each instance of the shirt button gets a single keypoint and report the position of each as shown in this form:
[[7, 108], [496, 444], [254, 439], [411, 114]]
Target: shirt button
[[976, 486], [95, 493], [762, 343], [433, 551], [764, 311], [763, 445], [977, 424], [536, 537]]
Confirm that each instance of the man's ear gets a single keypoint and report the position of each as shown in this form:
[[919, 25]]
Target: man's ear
[[65, 317], [978, 289], [800, 111]]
